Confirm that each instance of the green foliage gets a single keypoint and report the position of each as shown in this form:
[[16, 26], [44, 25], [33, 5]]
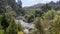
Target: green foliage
[[3, 4], [20, 27], [1, 31], [58, 13], [9, 25], [38, 25], [4, 22], [55, 26], [0, 21], [49, 15], [5, 8], [17, 7], [20, 32], [10, 9], [29, 18], [38, 13], [11, 6], [46, 7], [10, 12], [13, 28]]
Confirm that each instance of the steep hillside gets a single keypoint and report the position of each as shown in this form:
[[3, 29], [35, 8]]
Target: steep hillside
[[14, 6], [35, 6], [45, 7]]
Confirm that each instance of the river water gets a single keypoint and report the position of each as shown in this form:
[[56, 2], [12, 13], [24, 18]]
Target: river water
[[26, 25]]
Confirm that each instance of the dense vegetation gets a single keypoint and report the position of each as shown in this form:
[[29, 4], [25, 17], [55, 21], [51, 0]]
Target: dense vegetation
[[9, 9], [46, 17]]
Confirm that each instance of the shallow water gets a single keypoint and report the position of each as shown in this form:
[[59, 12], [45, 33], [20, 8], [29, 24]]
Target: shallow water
[[26, 25]]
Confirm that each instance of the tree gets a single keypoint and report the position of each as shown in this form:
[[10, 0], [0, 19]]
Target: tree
[[20, 27], [46, 7], [57, 6], [4, 22], [3, 4], [29, 18], [0, 22], [17, 7], [13, 28], [1, 31], [39, 26], [38, 13], [49, 15], [19, 3], [55, 26], [10, 11]]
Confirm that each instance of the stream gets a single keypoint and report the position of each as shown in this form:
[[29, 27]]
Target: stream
[[26, 25]]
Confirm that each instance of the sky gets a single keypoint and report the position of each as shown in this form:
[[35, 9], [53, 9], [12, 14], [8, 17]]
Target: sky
[[33, 2]]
